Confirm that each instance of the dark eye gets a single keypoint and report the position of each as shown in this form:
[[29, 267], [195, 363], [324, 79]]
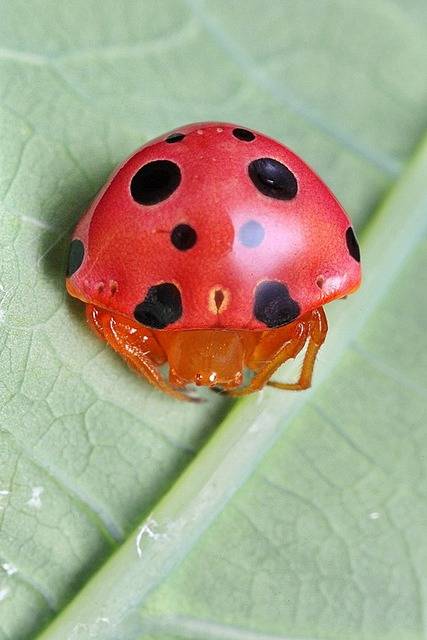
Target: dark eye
[[273, 179], [155, 182]]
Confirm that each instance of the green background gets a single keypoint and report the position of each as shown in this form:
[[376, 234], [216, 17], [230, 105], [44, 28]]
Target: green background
[[124, 514]]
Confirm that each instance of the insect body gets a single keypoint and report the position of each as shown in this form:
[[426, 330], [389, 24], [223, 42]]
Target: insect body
[[213, 249]]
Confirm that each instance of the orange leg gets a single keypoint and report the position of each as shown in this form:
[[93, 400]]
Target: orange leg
[[317, 334], [312, 327], [289, 349], [136, 345]]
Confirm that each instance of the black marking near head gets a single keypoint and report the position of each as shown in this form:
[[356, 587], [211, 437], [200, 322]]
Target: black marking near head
[[219, 298], [155, 181], [273, 305], [273, 179], [75, 256], [183, 237], [352, 245], [175, 137], [162, 306], [243, 134], [251, 234]]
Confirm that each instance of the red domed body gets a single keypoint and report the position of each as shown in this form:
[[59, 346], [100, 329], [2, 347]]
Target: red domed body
[[303, 244], [213, 227]]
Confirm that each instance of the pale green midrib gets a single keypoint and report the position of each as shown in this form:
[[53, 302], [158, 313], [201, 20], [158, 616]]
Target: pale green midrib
[[251, 427], [189, 628], [384, 162]]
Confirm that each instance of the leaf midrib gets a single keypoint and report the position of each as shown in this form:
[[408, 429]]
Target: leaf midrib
[[189, 628]]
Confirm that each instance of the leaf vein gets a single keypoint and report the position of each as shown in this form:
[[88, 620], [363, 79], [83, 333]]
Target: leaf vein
[[382, 161]]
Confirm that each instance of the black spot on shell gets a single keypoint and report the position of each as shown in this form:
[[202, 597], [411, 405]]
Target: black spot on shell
[[273, 305], [352, 245], [162, 306], [243, 134], [273, 179], [183, 237], [75, 256], [155, 181], [175, 137], [251, 234]]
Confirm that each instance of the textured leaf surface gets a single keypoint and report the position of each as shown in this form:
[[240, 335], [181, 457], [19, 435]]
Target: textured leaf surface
[[326, 539]]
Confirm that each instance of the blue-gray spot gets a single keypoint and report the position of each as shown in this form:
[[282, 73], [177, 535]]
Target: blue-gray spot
[[251, 234]]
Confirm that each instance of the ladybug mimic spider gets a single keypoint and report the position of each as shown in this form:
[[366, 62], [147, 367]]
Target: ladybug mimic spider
[[213, 249]]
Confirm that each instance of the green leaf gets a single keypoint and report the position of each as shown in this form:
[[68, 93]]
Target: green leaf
[[106, 485]]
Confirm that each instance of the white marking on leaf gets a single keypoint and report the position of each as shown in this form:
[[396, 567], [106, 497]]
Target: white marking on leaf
[[35, 500], [3, 593], [147, 530], [3, 494], [83, 630], [9, 568]]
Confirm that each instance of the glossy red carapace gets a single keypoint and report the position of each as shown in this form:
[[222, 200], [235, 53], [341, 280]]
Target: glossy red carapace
[[213, 248]]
